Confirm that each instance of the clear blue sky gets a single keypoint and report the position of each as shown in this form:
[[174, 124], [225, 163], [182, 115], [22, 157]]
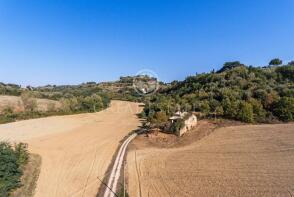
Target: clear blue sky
[[69, 42]]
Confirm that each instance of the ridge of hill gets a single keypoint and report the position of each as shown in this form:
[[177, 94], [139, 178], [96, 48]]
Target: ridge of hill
[[121, 89]]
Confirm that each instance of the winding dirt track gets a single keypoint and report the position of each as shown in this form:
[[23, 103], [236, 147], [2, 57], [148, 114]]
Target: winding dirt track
[[233, 161], [75, 149]]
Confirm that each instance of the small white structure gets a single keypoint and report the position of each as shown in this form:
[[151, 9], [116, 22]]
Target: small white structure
[[190, 122]]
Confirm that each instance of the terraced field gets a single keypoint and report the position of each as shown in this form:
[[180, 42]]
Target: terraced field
[[232, 161]]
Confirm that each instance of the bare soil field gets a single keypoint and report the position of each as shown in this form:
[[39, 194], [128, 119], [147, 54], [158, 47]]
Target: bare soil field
[[16, 103], [251, 160], [75, 149]]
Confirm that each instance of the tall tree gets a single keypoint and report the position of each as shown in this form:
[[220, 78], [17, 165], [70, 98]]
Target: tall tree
[[275, 62]]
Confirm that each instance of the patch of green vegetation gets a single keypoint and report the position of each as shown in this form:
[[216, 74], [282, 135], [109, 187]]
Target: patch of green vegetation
[[12, 117], [245, 93], [177, 125], [12, 160], [69, 105], [10, 89]]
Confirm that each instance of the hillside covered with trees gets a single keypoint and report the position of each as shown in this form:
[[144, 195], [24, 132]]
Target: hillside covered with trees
[[236, 91]]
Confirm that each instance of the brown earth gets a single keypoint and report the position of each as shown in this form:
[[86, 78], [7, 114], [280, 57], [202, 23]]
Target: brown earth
[[75, 149], [16, 103], [251, 160], [29, 178]]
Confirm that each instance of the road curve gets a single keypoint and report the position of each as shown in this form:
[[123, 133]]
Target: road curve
[[115, 172], [75, 149]]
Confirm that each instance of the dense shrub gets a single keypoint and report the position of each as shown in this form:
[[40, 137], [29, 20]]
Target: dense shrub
[[160, 117], [230, 65], [245, 113], [12, 158], [284, 109], [177, 125], [287, 72], [275, 62], [10, 89]]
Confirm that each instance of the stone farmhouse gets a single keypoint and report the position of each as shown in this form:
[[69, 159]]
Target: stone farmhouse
[[190, 121]]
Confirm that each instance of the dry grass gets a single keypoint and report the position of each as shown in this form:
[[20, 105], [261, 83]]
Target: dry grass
[[75, 149], [232, 161], [29, 178], [16, 103]]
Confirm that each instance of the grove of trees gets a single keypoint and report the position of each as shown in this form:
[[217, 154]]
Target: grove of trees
[[246, 93]]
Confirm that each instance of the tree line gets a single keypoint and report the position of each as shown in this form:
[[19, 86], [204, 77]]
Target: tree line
[[69, 104]]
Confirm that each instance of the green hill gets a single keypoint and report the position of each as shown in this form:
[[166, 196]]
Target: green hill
[[236, 91]]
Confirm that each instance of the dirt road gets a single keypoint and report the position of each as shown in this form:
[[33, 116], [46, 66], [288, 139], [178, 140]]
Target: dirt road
[[75, 149], [116, 169], [232, 161]]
